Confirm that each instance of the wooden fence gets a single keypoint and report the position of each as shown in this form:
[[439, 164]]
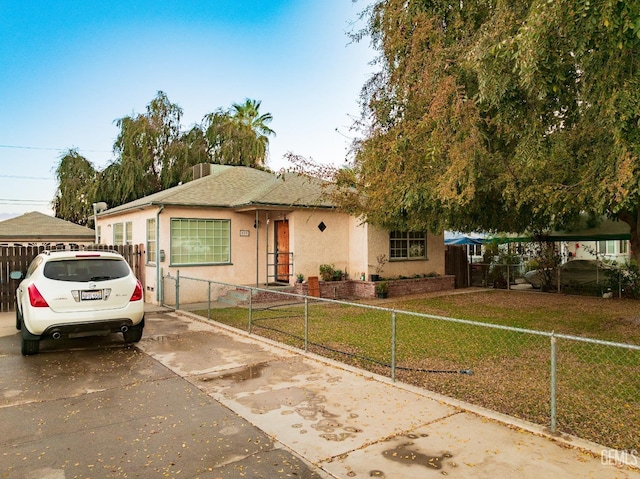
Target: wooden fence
[[457, 264], [17, 258]]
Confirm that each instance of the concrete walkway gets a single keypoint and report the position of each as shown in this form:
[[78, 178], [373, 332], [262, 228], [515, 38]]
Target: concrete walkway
[[352, 423]]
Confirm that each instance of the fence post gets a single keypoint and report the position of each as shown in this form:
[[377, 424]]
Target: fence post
[[306, 324], [208, 300], [177, 290], [393, 346], [250, 308], [553, 383]]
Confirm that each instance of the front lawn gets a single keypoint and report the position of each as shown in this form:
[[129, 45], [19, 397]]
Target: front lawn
[[606, 319]]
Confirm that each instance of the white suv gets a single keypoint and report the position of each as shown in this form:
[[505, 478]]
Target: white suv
[[77, 293]]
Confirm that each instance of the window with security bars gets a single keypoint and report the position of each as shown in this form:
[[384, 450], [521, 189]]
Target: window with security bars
[[475, 250], [200, 241], [407, 245]]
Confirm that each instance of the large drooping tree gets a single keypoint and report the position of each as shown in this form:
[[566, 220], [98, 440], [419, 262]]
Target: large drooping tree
[[75, 195], [146, 149], [153, 153], [501, 116]]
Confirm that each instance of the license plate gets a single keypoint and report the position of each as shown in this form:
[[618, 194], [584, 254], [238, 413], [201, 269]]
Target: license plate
[[91, 295]]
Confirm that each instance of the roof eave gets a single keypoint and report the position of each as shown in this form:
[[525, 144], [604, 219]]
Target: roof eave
[[252, 206]]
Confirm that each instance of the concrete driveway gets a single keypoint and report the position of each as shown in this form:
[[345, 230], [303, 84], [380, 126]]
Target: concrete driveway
[[195, 399], [96, 408]]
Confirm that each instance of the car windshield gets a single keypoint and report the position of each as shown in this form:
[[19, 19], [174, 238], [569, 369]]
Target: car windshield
[[86, 269]]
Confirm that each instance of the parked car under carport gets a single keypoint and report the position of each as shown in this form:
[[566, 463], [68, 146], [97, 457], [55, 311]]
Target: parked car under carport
[[577, 272]]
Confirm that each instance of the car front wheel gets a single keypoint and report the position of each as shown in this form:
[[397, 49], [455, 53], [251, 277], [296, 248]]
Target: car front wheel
[[18, 319]]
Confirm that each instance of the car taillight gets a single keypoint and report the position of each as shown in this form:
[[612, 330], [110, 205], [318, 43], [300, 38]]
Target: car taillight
[[35, 298], [137, 293]]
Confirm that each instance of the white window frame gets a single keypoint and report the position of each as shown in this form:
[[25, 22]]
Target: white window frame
[[407, 246], [118, 233], [123, 233], [151, 241], [198, 241]]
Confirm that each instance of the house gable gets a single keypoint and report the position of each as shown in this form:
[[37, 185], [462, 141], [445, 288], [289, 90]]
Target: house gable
[[36, 227]]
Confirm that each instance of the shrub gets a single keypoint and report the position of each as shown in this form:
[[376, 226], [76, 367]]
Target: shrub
[[625, 280], [326, 272]]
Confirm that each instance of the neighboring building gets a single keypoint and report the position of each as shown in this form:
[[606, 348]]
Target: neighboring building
[[38, 229], [607, 239], [246, 226]]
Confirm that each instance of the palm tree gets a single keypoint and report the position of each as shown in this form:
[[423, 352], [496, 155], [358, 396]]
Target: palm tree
[[248, 114]]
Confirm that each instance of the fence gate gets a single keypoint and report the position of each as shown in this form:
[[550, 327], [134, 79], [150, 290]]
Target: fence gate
[[13, 258], [457, 264], [17, 258]]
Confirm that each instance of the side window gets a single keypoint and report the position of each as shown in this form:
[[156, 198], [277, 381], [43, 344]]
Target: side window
[[118, 233], [34, 264], [407, 245], [128, 232], [151, 240]]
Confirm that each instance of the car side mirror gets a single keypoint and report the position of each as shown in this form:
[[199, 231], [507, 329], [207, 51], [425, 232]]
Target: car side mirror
[[15, 275]]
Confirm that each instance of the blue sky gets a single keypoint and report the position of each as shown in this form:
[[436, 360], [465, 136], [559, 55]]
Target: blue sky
[[69, 69]]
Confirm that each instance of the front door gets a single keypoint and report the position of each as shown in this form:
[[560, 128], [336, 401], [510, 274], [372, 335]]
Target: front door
[[283, 258]]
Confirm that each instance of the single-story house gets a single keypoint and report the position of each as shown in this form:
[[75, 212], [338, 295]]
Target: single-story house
[[38, 229], [246, 226]]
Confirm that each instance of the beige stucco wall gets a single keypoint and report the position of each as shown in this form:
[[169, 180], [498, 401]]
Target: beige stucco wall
[[379, 245], [312, 247], [345, 243], [358, 249], [138, 222]]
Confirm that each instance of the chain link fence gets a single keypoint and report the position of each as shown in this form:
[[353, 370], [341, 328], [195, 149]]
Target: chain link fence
[[610, 280], [574, 385]]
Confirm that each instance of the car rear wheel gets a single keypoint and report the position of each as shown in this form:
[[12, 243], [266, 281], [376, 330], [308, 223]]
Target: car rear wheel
[[29, 346], [132, 335]]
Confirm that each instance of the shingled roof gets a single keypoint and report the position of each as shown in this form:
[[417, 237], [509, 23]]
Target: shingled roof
[[238, 187], [36, 227]]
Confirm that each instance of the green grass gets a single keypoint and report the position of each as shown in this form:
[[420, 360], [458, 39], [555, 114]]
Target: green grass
[[511, 370]]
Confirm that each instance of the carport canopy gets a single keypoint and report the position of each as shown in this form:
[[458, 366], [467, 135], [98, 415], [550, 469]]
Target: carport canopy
[[605, 229]]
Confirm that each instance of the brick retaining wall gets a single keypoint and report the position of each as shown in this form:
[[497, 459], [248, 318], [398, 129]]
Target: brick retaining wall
[[367, 289]]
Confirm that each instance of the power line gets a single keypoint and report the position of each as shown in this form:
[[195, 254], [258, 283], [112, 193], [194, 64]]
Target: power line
[[8, 201], [31, 148], [17, 147], [27, 177]]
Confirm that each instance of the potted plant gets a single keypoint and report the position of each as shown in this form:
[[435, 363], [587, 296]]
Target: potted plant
[[299, 278], [382, 289]]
